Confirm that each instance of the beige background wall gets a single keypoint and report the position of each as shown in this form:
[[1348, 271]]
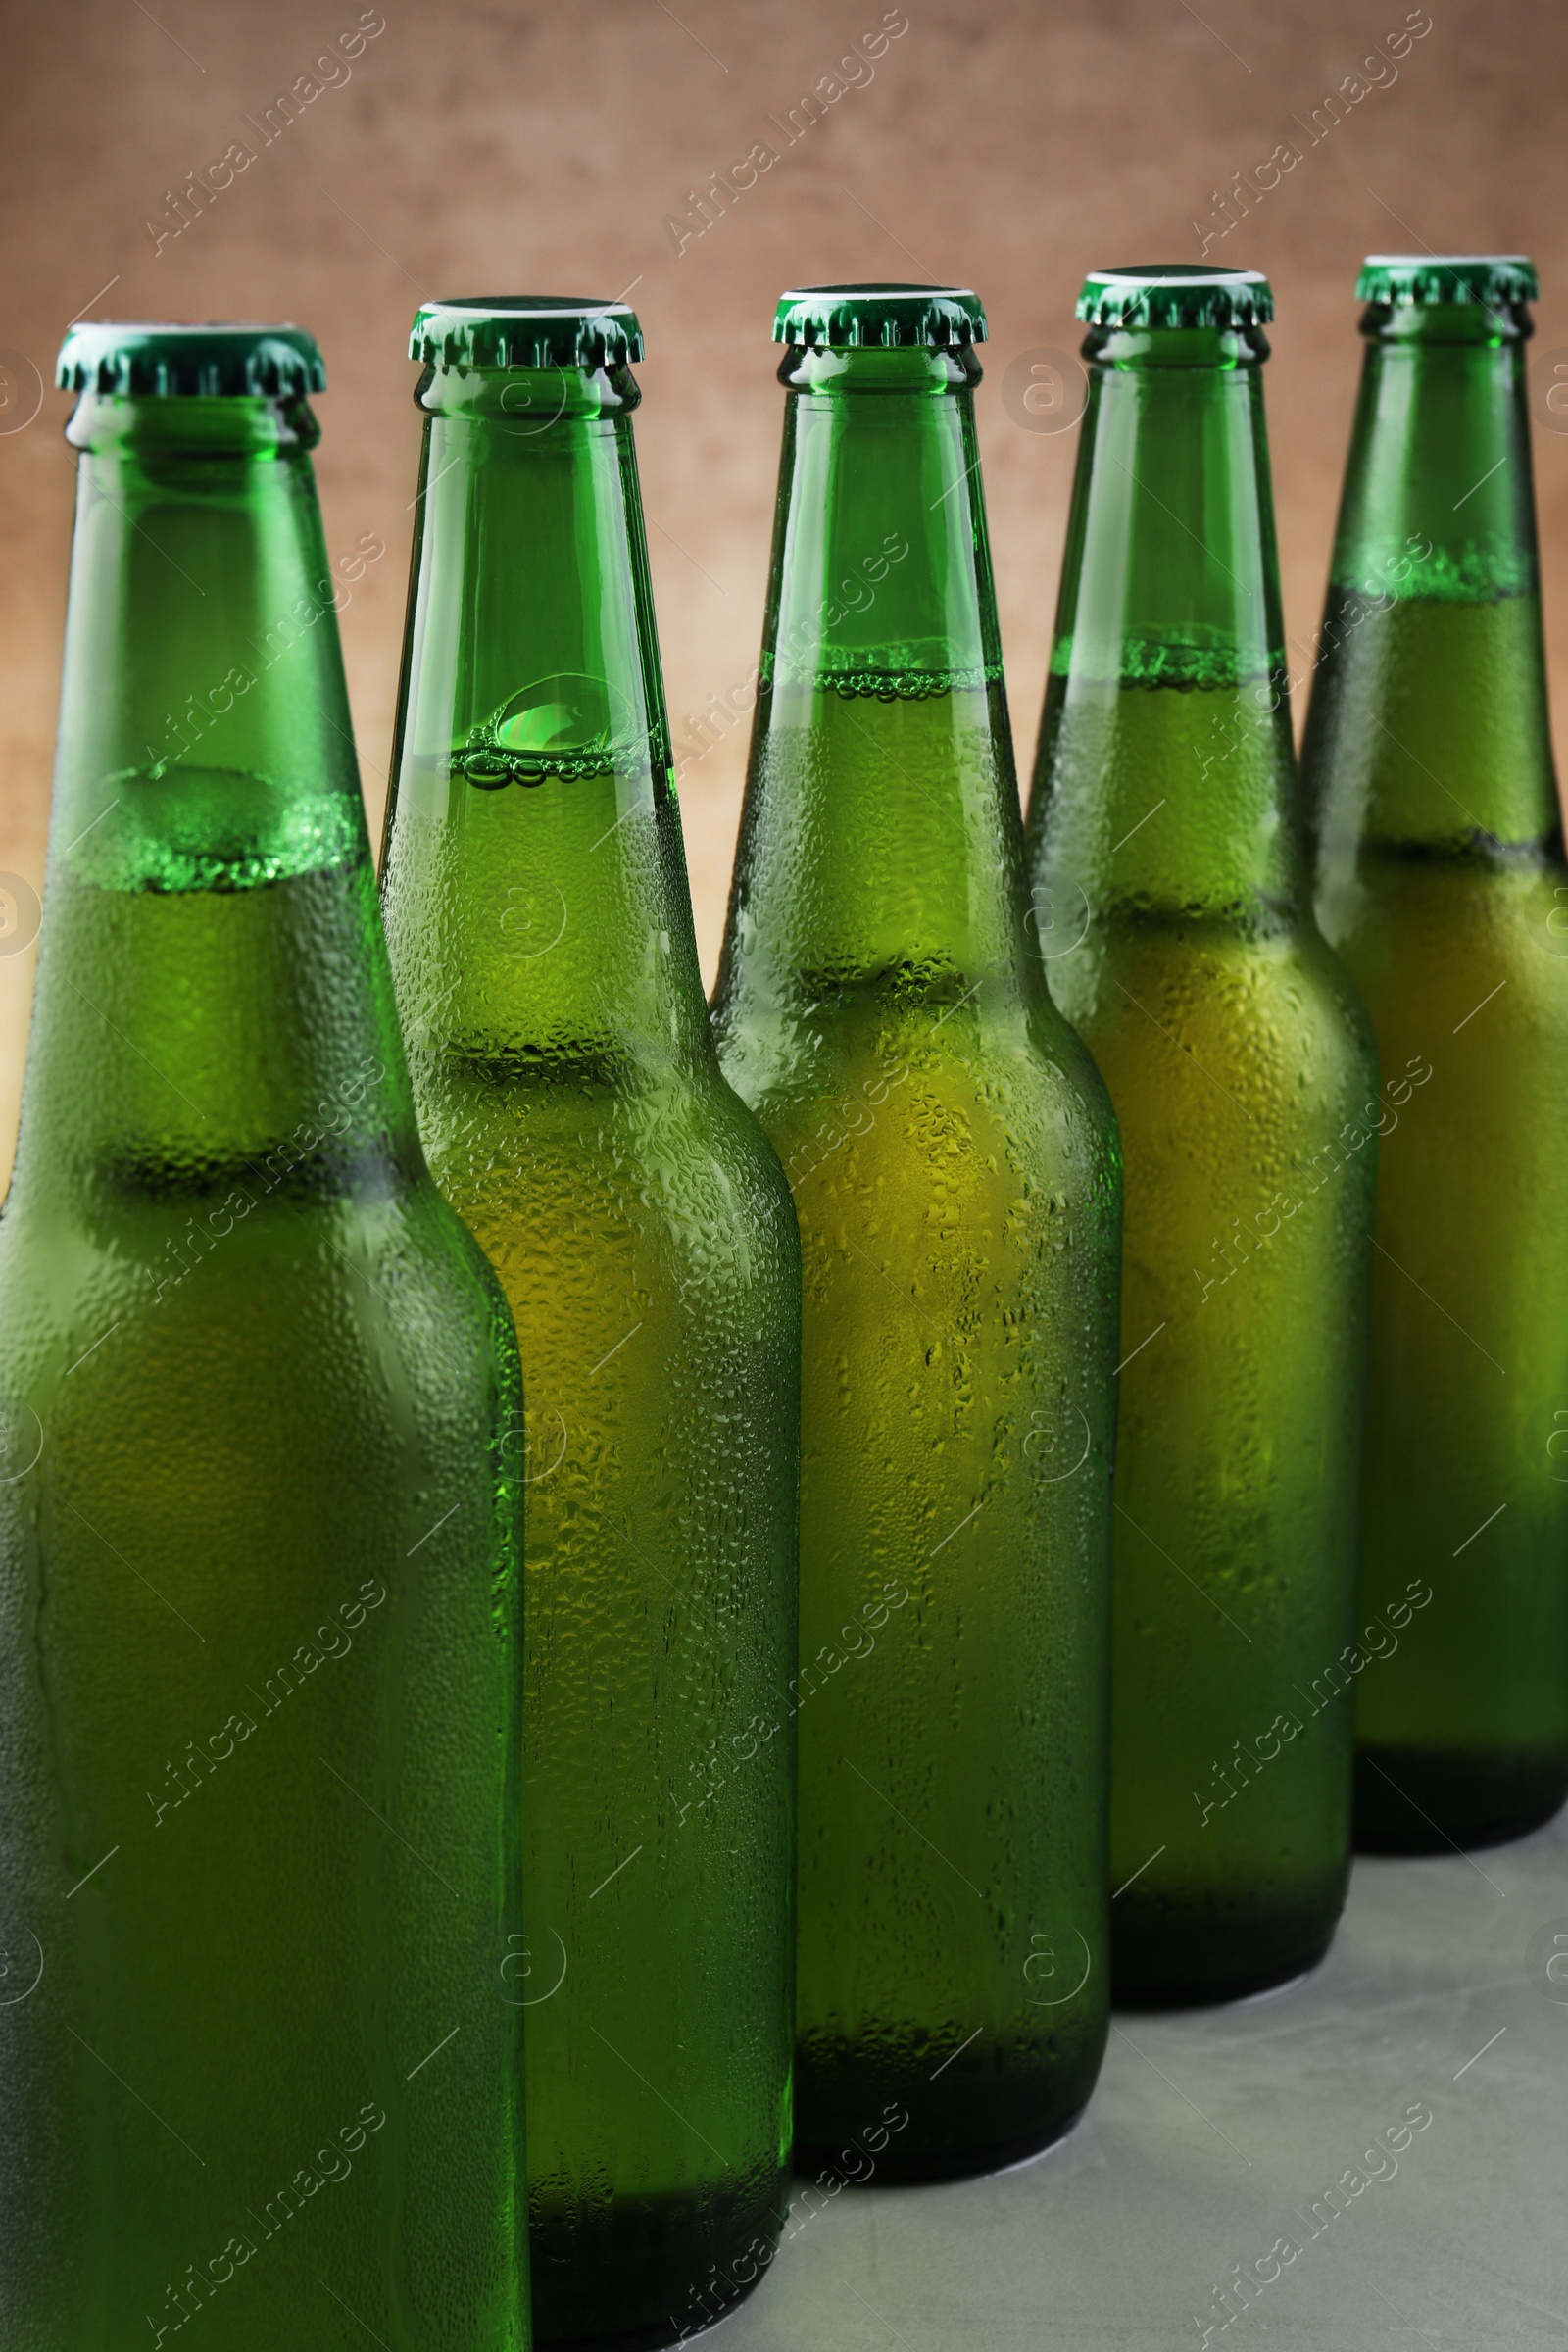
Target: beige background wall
[[475, 146]]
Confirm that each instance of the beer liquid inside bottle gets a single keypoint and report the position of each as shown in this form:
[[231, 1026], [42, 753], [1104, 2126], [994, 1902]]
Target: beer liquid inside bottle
[[571, 1104], [1174, 913], [956, 1175], [1440, 880], [258, 1543]]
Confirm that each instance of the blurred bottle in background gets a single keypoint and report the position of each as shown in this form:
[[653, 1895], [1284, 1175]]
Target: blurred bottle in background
[[1440, 881]]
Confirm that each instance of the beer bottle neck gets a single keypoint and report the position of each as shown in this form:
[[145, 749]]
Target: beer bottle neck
[[204, 739], [1428, 723], [1165, 773], [209, 875], [881, 831], [534, 879]]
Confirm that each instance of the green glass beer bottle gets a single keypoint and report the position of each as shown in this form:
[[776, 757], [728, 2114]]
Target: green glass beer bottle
[[956, 1179], [260, 1560], [1167, 862], [1440, 880], [571, 1101]]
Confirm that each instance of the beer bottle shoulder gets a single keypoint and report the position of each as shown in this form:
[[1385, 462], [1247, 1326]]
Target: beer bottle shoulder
[[1428, 939], [1270, 1013], [994, 1076], [248, 1279], [667, 1163]]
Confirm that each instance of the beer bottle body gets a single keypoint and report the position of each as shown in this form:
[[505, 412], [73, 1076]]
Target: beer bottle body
[[259, 1540], [1174, 917], [573, 1112], [955, 1172]]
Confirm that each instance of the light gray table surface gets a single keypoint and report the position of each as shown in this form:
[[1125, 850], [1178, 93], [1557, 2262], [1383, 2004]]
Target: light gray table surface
[[1213, 2134]]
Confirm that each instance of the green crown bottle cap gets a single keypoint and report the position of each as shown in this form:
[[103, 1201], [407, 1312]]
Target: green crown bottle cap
[[889, 317], [526, 330], [1175, 294], [1490, 278], [224, 360]]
